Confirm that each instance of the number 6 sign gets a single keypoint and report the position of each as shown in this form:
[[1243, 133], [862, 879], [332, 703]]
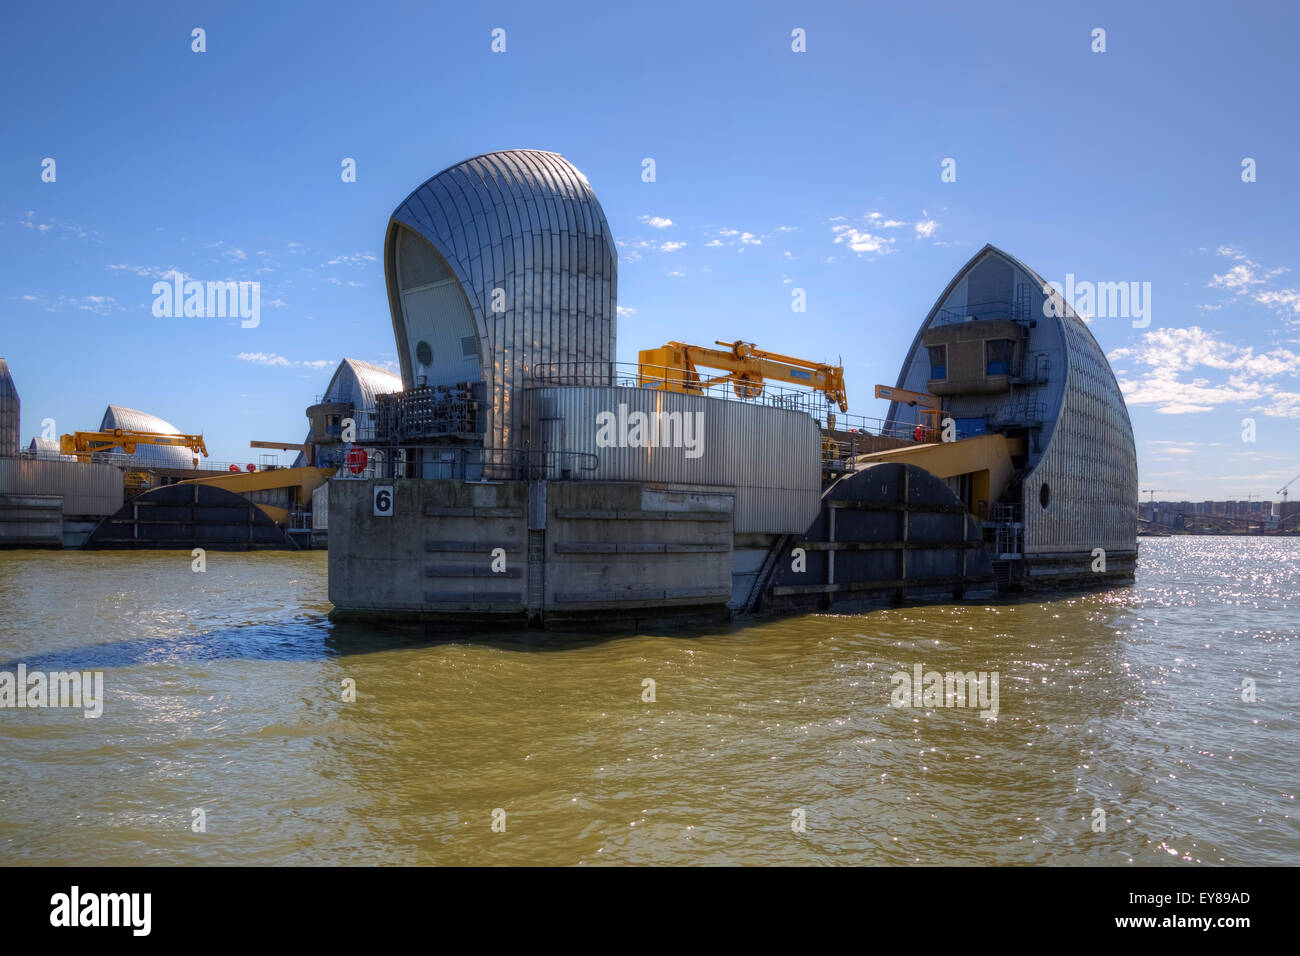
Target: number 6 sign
[[383, 501]]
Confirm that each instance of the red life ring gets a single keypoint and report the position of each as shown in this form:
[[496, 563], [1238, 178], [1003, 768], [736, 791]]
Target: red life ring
[[250, 468], [356, 460], [233, 468], [919, 434]]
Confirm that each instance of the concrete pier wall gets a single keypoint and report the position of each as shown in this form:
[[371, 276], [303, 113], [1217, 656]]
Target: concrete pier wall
[[31, 521], [545, 551]]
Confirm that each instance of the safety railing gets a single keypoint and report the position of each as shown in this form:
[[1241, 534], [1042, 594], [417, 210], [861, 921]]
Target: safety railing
[[659, 377], [1017, 308], [467, 463], [142, 462]]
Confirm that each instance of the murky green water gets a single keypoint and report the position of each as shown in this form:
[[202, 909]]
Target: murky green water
[[224, 693]]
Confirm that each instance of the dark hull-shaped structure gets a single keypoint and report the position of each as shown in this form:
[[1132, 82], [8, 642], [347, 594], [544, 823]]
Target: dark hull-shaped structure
[[189, 516]]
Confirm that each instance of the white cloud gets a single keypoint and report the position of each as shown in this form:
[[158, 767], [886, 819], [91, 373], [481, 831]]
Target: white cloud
[[671, 246], [98, 304], [925, 228], [1166, 354], [1283, 300], [860, 241], [656, 222], [626, 310], [264, 358], [1239, 277], [63, 227], [279, 361], [1245, 276]]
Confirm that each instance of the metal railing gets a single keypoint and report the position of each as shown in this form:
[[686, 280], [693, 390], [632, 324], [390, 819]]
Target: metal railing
[[629, 375], [469, 463], [1016, 308], [143, 463]]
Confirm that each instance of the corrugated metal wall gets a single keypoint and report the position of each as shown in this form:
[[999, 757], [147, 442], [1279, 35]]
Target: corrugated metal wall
[[10, 413], [1085, 452], [527, 222], [88, 489], [1090, 466], [770, 456]]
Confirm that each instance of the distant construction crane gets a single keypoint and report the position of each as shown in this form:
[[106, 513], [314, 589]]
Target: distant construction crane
[[85, 444], [1282, 491], [675, 368], [1163, 491]]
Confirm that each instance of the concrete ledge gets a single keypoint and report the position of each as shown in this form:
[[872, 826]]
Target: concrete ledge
[[468, 571], [641, 594], [510, 547], [888, 545], [430, 511], [852, 586], [632, 547], [620, 515], [468, 601], [921, 508]]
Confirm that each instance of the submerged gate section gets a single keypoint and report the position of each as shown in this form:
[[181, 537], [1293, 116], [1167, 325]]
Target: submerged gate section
[[887, 534], [189, 516]]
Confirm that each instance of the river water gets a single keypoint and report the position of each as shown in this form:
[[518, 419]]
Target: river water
[[224, 693]]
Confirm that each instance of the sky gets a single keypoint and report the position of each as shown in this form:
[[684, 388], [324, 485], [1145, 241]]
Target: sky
[[776, 169]]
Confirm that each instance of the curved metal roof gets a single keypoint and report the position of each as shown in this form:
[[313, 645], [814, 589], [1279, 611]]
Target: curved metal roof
[[1068, 315], [10, 413], [1081, 488], [359, 382], [132, 419], [48, 448], [528, 223]]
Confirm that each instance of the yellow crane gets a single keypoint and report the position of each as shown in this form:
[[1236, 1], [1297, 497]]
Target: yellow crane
[[928, 406], [675, 368], [84, 444]]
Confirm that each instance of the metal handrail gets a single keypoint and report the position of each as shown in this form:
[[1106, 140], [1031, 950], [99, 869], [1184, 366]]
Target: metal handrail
[[628, 375], [469, 462]]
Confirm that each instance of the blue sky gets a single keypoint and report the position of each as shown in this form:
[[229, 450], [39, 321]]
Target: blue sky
[[1117, 166]]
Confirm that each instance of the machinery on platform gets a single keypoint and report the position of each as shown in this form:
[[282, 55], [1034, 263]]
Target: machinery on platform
[[675, 368], [928, 407], [85, 444]]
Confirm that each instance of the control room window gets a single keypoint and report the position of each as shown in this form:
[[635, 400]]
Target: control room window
[[998, 353], [938, 361]]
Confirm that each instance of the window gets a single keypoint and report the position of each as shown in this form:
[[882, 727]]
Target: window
[[938, 361], [998, 354]]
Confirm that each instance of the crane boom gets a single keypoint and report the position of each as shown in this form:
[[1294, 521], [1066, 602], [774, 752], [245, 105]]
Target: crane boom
[[1282, 491], [923, 399], [84, 444], [675, 368]]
